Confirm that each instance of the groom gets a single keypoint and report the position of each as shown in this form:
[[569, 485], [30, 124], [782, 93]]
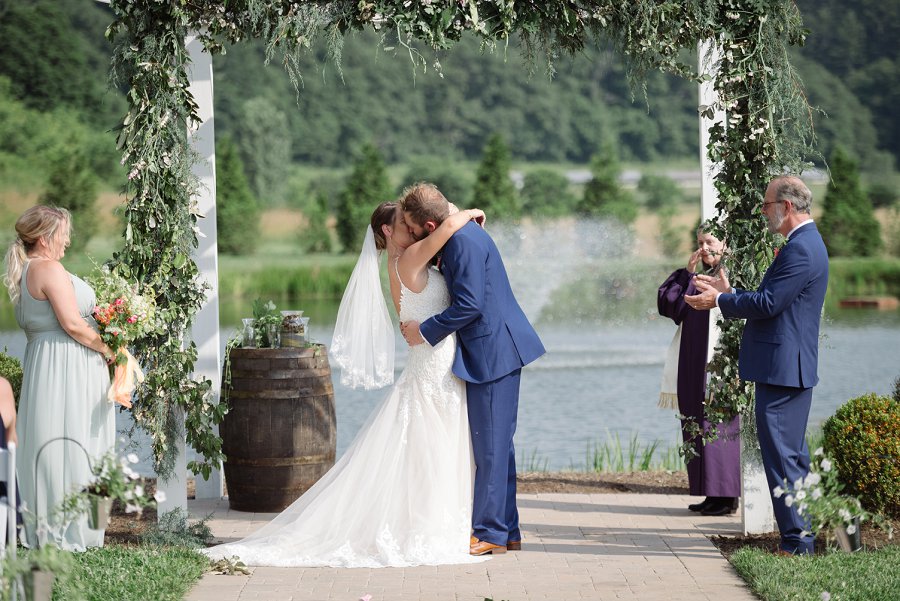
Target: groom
[[494, 341]]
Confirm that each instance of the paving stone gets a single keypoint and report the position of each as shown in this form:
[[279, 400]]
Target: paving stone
[[603, 547]]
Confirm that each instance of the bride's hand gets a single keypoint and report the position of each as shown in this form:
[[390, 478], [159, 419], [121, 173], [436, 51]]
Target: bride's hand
[[453, 208], [410, 331], [478, 215]]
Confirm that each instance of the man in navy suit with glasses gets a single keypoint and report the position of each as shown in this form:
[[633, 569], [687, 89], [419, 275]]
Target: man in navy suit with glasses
[[779, 348]]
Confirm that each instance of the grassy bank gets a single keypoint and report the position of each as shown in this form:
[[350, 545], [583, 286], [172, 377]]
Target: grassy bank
[[131, 572], [869, 575], [873, 276]]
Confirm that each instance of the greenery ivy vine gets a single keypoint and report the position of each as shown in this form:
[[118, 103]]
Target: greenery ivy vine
[[768, 131]]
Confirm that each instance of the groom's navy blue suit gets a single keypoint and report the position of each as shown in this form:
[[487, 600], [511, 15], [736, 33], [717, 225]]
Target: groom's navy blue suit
[[779, 351], [494, 341]]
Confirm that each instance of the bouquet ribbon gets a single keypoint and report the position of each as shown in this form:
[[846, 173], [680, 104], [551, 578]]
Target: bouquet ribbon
[[124, 377]]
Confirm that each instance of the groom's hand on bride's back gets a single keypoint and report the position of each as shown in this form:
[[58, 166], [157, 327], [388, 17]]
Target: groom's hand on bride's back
[[410, 331]]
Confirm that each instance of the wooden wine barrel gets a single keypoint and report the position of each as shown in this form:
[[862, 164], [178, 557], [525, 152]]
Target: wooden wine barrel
[[279, 436]]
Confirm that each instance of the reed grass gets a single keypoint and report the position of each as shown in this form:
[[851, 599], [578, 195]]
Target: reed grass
[[532, 463], [869, 276], [612, 455]]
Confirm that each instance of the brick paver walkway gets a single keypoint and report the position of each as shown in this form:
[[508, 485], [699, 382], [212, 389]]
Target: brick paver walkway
[[577, 546]]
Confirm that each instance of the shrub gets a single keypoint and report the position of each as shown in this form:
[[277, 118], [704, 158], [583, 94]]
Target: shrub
[[494, 191], [366, 187], [546, 193], [237, 214], [659, 191], [11, 369], [175, 530], [863, 438], [452, 179]]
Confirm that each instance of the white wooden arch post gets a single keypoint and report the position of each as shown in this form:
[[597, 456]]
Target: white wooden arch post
[[756, 501], [205, 329]]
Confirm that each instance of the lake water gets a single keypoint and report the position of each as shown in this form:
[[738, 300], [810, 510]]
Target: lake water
[[602, 378]]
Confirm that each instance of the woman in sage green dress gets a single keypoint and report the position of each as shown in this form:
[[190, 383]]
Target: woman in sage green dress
[[64, 383]]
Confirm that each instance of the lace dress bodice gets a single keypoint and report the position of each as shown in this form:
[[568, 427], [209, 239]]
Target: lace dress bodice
[[430, 366], [433, 299]]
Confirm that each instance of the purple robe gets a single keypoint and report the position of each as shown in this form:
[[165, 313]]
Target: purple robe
[[716, 471]]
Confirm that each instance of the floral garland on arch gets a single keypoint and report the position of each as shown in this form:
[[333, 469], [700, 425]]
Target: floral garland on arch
[[768, 131]]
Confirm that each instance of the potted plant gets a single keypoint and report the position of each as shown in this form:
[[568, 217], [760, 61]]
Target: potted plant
[[112, 479], [34, 571], [819, 499], [267, 324]]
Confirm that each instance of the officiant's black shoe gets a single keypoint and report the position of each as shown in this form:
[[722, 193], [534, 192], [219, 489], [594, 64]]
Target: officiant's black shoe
[[702, 505], [721, 506]]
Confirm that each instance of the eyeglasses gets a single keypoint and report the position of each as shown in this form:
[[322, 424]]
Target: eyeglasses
[[770, 202]]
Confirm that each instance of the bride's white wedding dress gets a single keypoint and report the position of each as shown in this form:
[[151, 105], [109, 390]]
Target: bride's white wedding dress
[[401, 495]]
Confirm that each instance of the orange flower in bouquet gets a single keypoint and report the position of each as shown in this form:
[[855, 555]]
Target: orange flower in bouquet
[[123, 315]]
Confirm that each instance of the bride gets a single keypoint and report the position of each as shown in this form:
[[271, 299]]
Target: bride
[[401, 495]]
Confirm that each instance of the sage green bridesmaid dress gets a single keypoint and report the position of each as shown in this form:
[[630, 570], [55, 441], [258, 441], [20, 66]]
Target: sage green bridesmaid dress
[[63, 395]]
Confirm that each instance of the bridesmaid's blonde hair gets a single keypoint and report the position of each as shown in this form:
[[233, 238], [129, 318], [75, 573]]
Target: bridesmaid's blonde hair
[[37, 221]]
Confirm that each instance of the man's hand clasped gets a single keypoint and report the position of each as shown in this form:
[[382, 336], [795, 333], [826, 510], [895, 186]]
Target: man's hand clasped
[[410, 331], [709, 288]]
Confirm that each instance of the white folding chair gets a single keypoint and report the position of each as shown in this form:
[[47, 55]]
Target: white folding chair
[[8, 509], [8, 512]]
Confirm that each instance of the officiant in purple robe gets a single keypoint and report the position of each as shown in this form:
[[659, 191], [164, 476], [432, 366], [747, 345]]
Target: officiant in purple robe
[[715, 471]]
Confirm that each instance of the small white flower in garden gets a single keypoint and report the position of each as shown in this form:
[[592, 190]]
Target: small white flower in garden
[[777, 492], [826, 596], [131, 508], [826, 465], [798, 483], [788, 500], [845, 515], [139, 490], [851, 529], [812, 479], [132, 457], [159, 496], [128, 494], [801, 509], [801, 494], [819, 451], [817, 493]]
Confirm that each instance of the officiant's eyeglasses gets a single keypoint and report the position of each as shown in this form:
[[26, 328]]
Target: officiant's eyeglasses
[[770, 202]]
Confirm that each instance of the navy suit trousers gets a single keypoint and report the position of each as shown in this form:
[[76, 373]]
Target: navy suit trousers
[[782, 413], [493, 407]]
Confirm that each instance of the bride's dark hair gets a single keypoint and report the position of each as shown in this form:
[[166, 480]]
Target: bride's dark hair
[[383, 215]]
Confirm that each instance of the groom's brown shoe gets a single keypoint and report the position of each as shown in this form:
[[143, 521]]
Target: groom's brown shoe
[[513, 545], [481, 547]]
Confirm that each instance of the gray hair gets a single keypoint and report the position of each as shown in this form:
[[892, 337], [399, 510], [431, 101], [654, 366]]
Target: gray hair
[[792, 188]]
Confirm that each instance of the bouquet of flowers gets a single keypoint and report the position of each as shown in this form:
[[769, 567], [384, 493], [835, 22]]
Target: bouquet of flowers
[[123, 315]]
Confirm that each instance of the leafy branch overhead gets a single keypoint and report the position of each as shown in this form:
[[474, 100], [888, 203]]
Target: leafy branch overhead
[[767, 131]]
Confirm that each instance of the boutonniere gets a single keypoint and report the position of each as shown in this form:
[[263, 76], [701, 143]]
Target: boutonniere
[[777, 250], [437, 261]]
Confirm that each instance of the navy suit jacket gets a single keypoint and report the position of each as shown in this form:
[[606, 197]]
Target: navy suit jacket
[[494, 338], [780, 344]]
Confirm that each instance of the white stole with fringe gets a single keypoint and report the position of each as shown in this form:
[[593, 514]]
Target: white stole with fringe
[[668, 395]]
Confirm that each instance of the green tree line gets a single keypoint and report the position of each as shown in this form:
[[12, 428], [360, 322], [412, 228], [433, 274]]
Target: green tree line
[[55, 57]]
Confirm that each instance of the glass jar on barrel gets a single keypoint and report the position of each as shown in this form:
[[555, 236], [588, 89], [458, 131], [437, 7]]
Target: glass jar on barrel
[[293, 329]]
